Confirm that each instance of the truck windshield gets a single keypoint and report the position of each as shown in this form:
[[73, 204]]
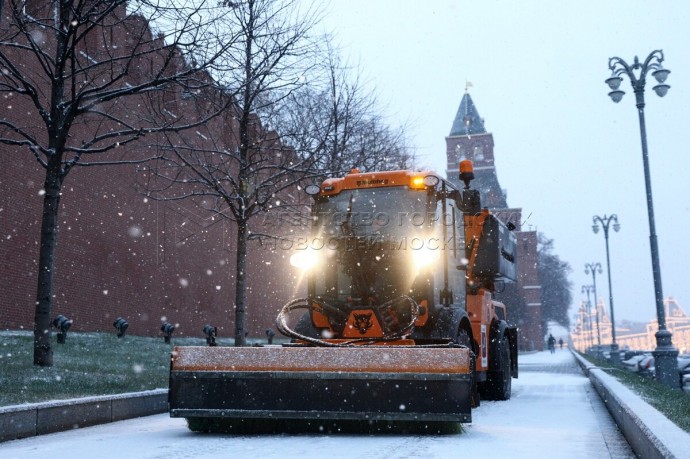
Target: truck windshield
[[370, 238], [382, 212]]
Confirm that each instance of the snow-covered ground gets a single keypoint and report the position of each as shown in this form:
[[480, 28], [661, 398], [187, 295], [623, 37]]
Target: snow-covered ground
[[554, 413]]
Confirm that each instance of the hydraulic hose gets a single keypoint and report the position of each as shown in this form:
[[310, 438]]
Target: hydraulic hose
[[305, 303]]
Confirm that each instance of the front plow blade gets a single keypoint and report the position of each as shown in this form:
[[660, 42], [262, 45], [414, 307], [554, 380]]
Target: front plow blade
[[348, 383]]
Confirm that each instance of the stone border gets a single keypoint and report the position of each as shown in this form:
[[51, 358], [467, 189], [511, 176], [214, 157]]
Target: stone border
[[21, 421], [649, 433]]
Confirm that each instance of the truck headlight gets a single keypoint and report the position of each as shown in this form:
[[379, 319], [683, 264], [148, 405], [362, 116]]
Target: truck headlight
[[425, 256], [305, 259]]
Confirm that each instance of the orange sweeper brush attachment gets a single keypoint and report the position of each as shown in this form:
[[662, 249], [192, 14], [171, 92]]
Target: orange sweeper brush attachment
[[364, 382]]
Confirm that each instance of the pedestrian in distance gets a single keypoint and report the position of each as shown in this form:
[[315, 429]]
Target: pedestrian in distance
[[560, 342], [552, 343]]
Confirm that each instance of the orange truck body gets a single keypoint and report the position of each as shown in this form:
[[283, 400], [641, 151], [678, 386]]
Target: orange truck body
[[388, 330]]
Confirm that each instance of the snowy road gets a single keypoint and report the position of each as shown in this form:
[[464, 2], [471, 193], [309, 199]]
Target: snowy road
[[554, 413]]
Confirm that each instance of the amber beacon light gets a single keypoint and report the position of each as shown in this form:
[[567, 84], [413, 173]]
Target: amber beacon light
[[466, 172]]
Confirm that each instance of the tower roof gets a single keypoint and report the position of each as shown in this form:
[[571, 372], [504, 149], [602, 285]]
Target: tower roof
[[467, 120]]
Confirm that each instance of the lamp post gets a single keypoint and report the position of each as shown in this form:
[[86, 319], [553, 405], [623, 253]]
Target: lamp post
[[580, 327], [590, 325], [665, 355], [593, 267], [582, 319], [605, 222], [587, 289]]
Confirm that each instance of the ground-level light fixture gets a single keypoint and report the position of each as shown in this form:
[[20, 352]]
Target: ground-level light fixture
[[211, 332], [121, 326], [270, 334], [62, 324], [167, 328]]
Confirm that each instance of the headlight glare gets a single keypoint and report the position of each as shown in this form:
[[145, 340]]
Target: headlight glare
[[425, 256], [305, 259]]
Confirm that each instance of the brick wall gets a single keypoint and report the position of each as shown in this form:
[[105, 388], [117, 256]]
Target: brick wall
[[119, 254]]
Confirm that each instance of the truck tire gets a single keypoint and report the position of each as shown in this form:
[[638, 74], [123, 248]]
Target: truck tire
[[498, 385], [463, 338]]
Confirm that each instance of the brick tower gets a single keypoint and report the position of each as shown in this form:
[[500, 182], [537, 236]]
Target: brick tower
[[468, 139]]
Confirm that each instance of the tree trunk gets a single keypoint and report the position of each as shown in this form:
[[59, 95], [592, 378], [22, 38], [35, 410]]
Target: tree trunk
[[43, 352], [240, 284]]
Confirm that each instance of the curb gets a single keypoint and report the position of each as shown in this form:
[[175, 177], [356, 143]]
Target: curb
[[21, 421], [649, 433]]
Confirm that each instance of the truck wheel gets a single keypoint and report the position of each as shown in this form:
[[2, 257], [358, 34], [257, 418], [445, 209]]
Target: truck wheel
[[507, 383], [463, 338], [475, 399], [498, 385]]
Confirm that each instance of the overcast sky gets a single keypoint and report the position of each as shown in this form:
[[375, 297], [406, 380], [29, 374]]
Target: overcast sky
[[563, 150]]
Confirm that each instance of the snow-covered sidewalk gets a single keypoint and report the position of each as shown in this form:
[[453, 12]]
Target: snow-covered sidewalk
[[554, 413]]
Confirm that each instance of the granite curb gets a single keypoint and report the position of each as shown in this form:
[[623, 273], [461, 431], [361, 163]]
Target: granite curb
[[21, 421], [649, 433]]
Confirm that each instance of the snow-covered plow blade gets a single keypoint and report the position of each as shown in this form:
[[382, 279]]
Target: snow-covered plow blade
[[392, 383]]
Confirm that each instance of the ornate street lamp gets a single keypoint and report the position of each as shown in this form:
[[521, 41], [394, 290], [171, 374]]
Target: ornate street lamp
[[590, 325], [584, 327], [587, 289], [605, 221], [593, 267], [665, 355]]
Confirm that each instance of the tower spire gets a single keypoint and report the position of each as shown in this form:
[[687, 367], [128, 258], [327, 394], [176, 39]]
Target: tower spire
[[467, 120]]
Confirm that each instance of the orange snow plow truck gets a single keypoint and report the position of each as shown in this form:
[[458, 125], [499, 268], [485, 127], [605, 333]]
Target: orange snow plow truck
[[399, 323]]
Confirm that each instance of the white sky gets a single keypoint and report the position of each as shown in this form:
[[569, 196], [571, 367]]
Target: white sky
[[564, 151]]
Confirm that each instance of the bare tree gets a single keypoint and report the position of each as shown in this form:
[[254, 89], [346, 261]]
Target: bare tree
[[92, 76], [336, 121], [249, 170], [556, 295]]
